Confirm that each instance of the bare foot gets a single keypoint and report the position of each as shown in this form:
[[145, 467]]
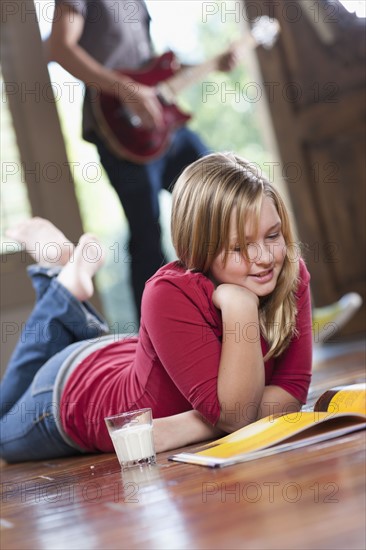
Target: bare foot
[[47, 245], [77, 274]]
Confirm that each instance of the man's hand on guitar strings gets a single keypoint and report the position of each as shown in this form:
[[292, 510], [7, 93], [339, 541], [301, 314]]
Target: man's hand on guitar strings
[[143, 102]]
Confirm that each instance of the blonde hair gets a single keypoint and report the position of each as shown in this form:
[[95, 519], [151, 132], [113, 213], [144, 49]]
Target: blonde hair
[[204, 197]]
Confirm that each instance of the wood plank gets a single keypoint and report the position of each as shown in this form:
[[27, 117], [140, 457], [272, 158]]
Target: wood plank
[[318, 119]]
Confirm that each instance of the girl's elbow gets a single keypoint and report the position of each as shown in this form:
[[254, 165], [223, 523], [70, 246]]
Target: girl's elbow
[[230, 422]]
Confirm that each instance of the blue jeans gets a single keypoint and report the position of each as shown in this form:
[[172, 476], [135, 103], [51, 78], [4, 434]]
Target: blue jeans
[[57, 326], [138, 186]]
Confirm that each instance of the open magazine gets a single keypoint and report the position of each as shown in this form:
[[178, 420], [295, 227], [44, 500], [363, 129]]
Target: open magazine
[[338, 411]]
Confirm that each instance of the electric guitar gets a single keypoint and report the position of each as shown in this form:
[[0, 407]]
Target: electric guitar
[[122, 130]]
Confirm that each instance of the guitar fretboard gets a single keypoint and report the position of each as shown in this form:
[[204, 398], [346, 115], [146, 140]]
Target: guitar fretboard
[[264, 32]]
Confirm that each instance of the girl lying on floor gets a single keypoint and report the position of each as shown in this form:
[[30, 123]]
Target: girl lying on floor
[[225, 335]]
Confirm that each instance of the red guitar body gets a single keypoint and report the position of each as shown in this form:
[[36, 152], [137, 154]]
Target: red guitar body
[[130, 140]]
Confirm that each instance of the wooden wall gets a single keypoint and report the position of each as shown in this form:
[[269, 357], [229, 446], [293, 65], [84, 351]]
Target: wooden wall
[[314, 81]]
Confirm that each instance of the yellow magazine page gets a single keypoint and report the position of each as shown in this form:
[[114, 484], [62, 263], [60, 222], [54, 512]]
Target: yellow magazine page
[[346, 400], [264, 433], [327, 426]]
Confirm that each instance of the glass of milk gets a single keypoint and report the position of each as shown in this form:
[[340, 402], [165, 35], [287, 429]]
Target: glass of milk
[[132, 436]]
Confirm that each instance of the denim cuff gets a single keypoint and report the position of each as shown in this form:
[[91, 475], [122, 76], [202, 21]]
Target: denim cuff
[[37, 269]]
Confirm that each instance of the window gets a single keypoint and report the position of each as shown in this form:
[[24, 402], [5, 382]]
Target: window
[[355, 6]]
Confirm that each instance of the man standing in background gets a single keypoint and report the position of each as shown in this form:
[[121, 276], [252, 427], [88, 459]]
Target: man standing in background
[[90, 39]]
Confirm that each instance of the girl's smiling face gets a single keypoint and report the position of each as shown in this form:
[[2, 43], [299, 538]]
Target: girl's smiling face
[[266, 254]]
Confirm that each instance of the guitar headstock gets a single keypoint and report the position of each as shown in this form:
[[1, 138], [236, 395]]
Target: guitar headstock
[[265, 31]]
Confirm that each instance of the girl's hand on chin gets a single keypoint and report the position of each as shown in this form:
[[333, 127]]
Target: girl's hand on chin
[[226, 294]]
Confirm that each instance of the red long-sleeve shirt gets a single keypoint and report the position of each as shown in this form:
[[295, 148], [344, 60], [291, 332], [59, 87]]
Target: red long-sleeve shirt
[[172, 366]]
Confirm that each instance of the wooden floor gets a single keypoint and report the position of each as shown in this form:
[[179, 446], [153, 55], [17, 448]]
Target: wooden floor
[[307, 498]]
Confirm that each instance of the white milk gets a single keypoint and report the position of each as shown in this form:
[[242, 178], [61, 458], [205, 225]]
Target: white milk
[[133, 443]]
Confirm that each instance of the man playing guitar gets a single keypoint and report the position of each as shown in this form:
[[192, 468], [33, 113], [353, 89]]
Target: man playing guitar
[[93, 41]]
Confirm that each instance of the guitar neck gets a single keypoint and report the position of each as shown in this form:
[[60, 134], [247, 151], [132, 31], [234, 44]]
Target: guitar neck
[[264, 32], [187, 76]]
